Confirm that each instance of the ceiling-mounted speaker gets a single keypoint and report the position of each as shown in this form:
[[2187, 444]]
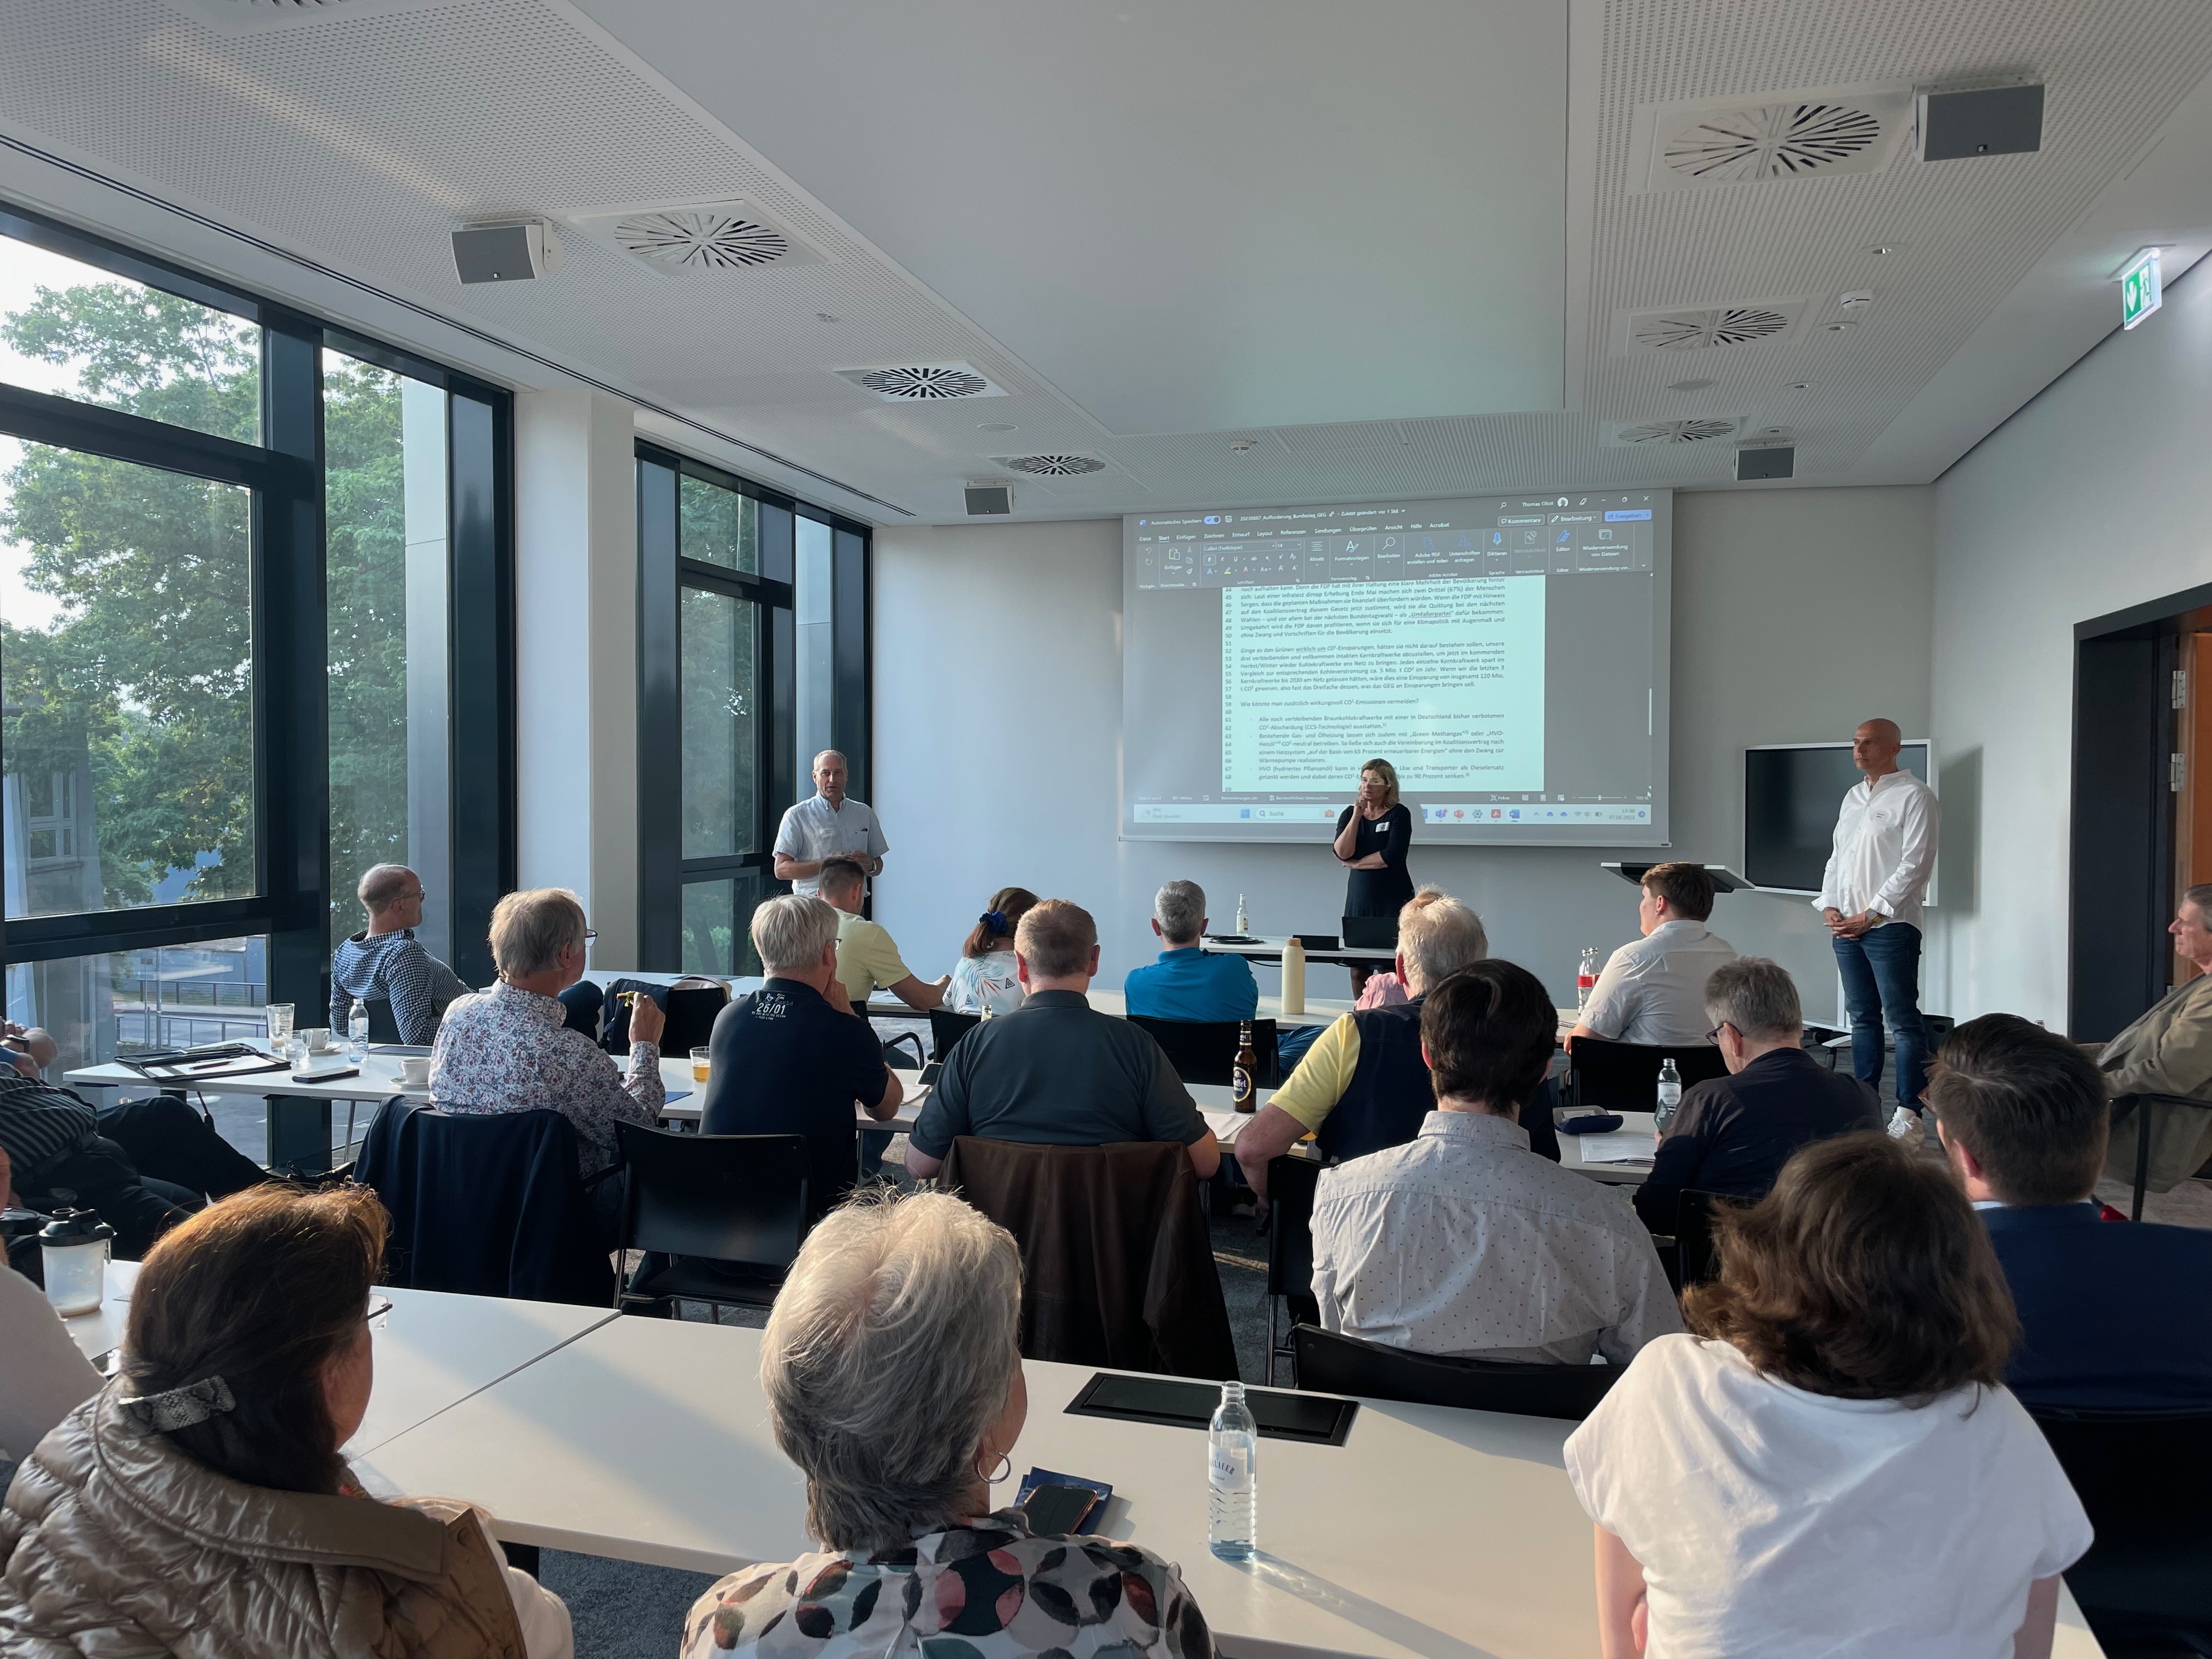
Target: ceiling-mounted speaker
[[990, 499], [2006, 120], [1754, 462], [511, 251]]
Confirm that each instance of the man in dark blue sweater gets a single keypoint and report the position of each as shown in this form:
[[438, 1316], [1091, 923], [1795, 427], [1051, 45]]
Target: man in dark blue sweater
[[1731, 1134], [2113, 1315]]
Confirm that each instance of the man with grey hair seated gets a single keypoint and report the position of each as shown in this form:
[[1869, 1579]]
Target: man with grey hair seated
[[1731, 1134], [894, 1383], [1189, 982], [509, 1049], [794, 1057], [1364, 1085], [385, 962], [1056, 1072]]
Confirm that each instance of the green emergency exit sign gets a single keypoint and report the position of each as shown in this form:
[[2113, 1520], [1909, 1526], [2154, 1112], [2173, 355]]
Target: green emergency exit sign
[[2139, 289]]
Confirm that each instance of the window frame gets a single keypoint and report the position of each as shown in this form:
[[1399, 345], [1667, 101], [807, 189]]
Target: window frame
[[663, 575], [288, 593]]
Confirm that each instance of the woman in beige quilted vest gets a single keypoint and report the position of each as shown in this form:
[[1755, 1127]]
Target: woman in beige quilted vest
[[198, 1504]]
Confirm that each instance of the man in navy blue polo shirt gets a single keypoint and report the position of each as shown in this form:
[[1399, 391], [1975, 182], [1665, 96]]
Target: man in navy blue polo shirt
[[1187, 982], [793, 1057]]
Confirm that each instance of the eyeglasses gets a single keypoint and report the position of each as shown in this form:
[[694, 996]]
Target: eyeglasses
[[590, 933], [1714, 1035]]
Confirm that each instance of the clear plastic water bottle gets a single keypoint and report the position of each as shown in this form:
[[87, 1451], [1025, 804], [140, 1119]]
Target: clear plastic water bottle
[[1243, 921], [357, 1032], [1670, 1091], [1232, 1478], [1586, 978]]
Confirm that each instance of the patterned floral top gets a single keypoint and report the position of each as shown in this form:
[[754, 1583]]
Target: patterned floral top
[[990, 1589], [508, 1050], [981, 981]]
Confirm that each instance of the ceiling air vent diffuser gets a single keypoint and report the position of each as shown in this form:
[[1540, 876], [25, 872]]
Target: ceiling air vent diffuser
[[682, 239], [1769, 138], [1707, 328], [1050, 466], [1653, 434], [922, 383]]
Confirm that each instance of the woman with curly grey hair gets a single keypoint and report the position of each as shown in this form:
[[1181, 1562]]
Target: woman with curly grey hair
[[894, 1381]]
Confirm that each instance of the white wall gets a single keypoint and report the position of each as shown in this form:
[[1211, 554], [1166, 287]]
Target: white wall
[[2091, 499], [575, 626], [985, 776]]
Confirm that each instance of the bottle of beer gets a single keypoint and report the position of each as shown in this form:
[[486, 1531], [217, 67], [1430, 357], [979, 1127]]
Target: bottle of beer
[[1246, 1072]]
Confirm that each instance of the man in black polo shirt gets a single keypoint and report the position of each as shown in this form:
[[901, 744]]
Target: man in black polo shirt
[[1731, 1134], [793, 1057], [1056, 1072]]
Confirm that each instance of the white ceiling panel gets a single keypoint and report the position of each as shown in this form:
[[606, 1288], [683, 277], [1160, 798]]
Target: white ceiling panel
[[1339, 233], [1185, 217]]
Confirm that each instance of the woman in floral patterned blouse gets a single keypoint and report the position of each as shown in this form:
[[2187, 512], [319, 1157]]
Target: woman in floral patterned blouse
[[891, 1302]]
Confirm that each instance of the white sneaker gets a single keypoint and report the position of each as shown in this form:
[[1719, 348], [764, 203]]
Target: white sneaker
[[1905, 1127]]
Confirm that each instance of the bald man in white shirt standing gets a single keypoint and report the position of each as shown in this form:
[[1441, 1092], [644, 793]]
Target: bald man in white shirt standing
[[827, 825], [1871, 897]]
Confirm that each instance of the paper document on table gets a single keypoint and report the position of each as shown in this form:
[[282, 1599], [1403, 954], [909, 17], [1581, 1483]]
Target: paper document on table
[[1225, 1125], [1622, 1147]]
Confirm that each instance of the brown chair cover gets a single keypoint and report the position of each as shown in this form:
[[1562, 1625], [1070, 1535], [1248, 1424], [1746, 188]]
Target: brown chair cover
[[1117, 1263]]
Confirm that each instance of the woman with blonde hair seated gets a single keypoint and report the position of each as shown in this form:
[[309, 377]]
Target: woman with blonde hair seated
[[894, 1382], [1833, 1464], [200, 1503]]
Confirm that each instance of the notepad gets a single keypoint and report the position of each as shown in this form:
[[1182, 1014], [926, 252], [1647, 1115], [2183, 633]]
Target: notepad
[[1622, 1147]]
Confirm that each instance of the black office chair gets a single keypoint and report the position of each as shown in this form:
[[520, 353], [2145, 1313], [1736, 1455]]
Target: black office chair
[[947, 1028], [1290, 1184], [2141, 1477], [1205, 1050], [382, 1027], [1624, 1076], [2147, 1109], [1696, 1261], [720, 1217], [691, 1006], [1332, 1363]]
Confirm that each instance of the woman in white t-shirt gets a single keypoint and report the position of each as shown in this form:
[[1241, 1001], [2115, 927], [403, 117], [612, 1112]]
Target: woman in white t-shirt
[[1831, 1466], [985, 980]]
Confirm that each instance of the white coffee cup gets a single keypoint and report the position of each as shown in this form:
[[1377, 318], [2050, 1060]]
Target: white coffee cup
[[415, 1071], [316, 1039]]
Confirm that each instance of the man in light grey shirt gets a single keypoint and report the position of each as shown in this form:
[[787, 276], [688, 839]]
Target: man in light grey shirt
[[1464, 1241], [827, 825], [1653, 990]]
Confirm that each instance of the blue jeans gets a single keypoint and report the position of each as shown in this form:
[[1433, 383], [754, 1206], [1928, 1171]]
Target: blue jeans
[[1881, 980]]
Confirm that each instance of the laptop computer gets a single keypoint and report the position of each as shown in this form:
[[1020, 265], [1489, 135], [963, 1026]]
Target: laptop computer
[[1370, 932]]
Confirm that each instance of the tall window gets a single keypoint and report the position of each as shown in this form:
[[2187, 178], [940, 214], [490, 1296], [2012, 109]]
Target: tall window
[[384, 484], [233, 546]]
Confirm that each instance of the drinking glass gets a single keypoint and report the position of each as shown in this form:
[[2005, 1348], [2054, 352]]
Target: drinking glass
[[699, 1065], [280, 1026]]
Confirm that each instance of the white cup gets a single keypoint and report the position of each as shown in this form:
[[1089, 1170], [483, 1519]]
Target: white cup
[[315, 1039], [415, 1071]]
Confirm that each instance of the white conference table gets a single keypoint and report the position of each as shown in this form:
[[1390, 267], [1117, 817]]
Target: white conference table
[[432, 1350], [1572, 1148], [1430, 1533], [1269, 947]]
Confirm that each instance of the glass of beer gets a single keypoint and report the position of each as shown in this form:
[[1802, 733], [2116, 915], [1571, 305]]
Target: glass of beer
[[699, 1065]]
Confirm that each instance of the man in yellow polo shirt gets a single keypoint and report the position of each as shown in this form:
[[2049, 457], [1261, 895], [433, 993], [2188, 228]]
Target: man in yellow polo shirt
[[1364, 1085], [867, 958]]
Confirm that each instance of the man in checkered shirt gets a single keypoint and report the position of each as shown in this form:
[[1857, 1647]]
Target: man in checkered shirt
[[385, 962]]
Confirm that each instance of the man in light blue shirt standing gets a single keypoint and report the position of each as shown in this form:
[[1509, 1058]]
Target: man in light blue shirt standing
[[1187, 982], [826, 825]]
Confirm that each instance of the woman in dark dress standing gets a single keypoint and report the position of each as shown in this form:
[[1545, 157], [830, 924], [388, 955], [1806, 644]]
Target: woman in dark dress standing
[[1372, 835]]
